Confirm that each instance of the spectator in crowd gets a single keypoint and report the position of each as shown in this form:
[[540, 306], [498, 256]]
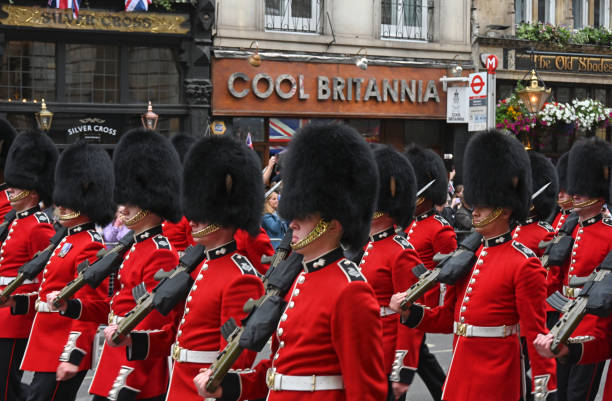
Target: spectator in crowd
[[275, 227], [456, 202], [271, 173], [114, 231]]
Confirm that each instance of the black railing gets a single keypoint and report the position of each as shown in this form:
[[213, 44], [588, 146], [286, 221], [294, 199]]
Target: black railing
[[303, 16], [406, 19]]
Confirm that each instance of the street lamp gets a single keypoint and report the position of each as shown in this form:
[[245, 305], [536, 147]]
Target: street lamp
[[44, 117], [362, 62], [149, 119], [255, 58], [534, 96]]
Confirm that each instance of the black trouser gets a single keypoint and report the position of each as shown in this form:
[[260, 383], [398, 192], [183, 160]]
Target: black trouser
[[11, 354], [44, 387], [431, 372], [129, 397], [578, 382]]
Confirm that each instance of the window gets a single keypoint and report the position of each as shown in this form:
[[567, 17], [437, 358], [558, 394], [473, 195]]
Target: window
[[92, 73], [546, 11], [28, 71], [153, 75], [294, 15], [404, 19], [601, 13], [522, 11], [581, 12]]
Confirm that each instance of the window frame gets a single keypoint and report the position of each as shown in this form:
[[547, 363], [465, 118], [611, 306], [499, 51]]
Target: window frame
[[295, 24], [584, 17], [527, 11], [403, 33]]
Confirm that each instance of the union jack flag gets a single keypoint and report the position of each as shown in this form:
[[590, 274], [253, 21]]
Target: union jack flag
[[283, 129], [249, 140], [137, 5], [66, 4]]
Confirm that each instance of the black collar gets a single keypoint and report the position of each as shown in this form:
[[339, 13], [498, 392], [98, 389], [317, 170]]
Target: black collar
[[500, 239], [389, 232], [592, 220], [220, 251], [565, 212], [28, 212], [150, 233], [3, 186], [323, 260], [425, 215], [530, 220], [81, 227]]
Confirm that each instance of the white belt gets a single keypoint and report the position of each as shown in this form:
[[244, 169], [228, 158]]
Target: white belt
[[386, 311], [43, 307], [571, 292], [186, 355], [467, 330], [279, 382], [7, 280], [114, 319]]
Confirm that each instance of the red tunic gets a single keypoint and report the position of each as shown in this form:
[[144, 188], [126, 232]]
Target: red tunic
[[560, 219], [223, 283], [179, 234], [505, 285], [330, 327], [254, 248], [29, 233], [598, 350], [532, 233], [51, 334], [133, 368], [5, 205], [387, 265]]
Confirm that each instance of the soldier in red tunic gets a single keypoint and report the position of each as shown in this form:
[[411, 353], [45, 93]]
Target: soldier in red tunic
[[564, 200], [328, 344], [222, 191], [29, 170], [430, 234], [7, 135], [147, 183], [505, 286], [83, 195], [535, 228], [388, 261]]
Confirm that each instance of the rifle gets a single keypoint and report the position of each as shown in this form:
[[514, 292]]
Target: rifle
[[449, 269], [95, 273], [264, 313], [32, 268], [4, 227], [574, 310], [172, 288], [558, 249]]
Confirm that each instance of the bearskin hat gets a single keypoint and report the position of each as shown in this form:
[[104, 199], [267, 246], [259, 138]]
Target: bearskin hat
[[7, 135], [562, 171], [497, 173], [30, 164], [588, 168], [84, 182], [148, 173], [397, 184], [330, 169], [543, 172], [428, 166], [182, 143], [222, 184]]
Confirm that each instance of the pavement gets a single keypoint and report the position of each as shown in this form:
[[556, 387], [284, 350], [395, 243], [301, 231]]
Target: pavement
[[439, 344]]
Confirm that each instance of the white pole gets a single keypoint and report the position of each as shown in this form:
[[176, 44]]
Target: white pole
[[491, 96]]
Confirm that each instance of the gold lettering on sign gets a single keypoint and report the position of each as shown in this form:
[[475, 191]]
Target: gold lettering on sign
[[177, 24], [569, 63]]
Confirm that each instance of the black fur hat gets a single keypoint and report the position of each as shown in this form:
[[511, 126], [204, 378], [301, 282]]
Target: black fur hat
[[543, 172], [7, 135], [497, 173], [330, 169], [397, 190], [562, 171], [148, 173], [222, 184], [427, 166], [84, 182], [182, 143], [30, 164], [588, 168]]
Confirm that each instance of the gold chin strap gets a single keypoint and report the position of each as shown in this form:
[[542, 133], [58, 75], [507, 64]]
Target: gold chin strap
[[316, 232], [68, 216], [136, 218], [419, 201], [377, 215], [586, 203], [565, 204], [21, 195], [209, 229], [489, 219]]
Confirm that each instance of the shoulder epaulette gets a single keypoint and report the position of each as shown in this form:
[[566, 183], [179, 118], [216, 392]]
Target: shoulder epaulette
[[161, 242], [528, 253], [441, 220], [244, 264], [351, 270], [41, 217], [403, 242], [607, 221], [95, 236], [545, 225]]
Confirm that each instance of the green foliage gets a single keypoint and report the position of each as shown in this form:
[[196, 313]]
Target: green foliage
[[594, 36], [165, 4], [560, 36]]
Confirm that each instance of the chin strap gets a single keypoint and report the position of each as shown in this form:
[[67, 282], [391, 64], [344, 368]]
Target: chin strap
[[21, 195], [489, 219], [377, 215], [68, 216], [136, 218], [586, 203], [565, 204], [209, 229], [316, 232]]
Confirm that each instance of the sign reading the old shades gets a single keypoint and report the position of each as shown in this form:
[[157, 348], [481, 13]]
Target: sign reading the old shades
[[326, 89], [564, 63]]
